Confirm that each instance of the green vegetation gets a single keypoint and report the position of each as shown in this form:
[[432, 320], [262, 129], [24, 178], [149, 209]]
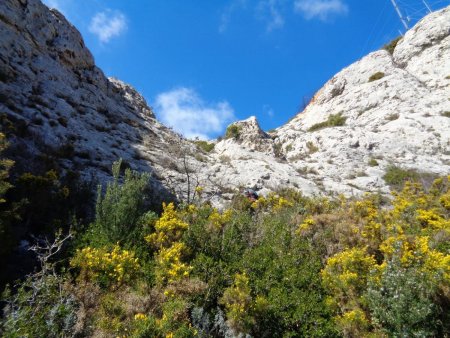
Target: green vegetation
[[284, 265], [119, 210], [312, 148], [334, 120], [373, 162], [6, 212], [206, 146], [396, 176], [376, 76], [446, 114], [233, 131], [390, 47]]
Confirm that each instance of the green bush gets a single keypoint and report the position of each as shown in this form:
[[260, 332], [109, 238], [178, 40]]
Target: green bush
[[446, 114], [396, 176], [373, 162], [334, 120], [390, 47], [40, 308], [42, 305], [402, 303], [312, 148], [376, 76], [233, 131], [204, 145], [120, 209]]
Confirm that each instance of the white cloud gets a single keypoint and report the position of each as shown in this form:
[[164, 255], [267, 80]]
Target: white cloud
[[321, 9], [268, 110], [269, 10], [185, 111], [108, 24], [227, 13]]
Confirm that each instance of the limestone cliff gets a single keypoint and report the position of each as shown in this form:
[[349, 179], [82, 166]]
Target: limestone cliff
[[382, 110]]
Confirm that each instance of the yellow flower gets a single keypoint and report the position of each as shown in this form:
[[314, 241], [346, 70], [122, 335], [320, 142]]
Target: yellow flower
[[140, 316]]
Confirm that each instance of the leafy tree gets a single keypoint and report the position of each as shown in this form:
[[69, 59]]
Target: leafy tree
[[120, 210]]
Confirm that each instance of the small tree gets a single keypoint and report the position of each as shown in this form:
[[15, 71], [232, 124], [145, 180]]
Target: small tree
[[120, 209], [181, 151], [42, 305]]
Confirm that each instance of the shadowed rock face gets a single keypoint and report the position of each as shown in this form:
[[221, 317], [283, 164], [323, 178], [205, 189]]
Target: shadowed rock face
[[51, 88]]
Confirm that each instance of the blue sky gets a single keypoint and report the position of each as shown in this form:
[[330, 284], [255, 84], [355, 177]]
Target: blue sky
[[203, 64]]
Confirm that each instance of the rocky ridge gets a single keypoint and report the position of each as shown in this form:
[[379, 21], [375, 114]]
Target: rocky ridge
[[389, 108]]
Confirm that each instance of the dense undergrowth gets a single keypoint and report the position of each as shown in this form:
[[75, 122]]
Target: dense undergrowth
[[282, 266]]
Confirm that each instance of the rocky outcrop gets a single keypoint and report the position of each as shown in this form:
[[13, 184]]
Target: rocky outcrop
[[65, 105], [382, 110]]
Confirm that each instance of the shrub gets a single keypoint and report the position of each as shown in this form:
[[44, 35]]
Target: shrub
[[373, 162], [390, 47], [238, 304], [204, 145], [396, 176], [401, 303], [376, 76], [446, 114], [312, 148], [106, 267], [119, 210], [233, 131], [41, 306], [334, 120]]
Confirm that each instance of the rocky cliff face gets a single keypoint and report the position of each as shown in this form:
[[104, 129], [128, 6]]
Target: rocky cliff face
[[64, 104], [384, 109]]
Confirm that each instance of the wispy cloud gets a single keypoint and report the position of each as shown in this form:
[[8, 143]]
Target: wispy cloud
[[270, 11], [268, 110], [108, 24], [227, 13], [321, 9], [185, 111]]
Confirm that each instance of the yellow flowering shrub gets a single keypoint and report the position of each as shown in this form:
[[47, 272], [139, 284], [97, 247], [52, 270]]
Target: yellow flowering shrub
[[108, 267], [238, 303], [168, 228], [345, 274], [170, 268], [305, 225], [433, 219], [353, 323], [168, 231], [414, 233], [416, 252], [218, 220], [273, 202]]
